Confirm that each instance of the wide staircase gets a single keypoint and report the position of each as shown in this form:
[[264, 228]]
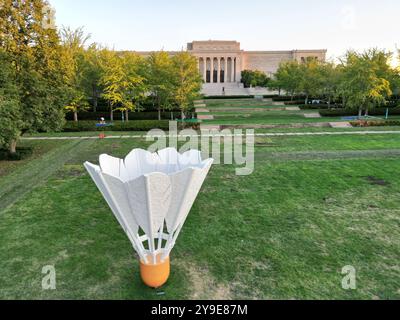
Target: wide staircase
[[231, 89]]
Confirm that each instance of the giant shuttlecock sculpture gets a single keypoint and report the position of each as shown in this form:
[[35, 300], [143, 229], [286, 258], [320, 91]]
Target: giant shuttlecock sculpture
[[151, 195]]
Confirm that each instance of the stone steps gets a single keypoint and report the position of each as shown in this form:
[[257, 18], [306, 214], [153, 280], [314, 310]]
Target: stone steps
[[340, 125], [202, 110], [313, 115], [205, 117]]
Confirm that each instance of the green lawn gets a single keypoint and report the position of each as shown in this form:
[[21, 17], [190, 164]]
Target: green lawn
[[255, 112], [313, 205], [268, 117], [241, 103]]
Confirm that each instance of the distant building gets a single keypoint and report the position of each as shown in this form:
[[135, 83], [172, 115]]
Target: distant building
[[222, 62]]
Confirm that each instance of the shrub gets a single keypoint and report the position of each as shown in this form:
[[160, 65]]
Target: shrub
[[228, 97], [294, 102], [138, 125], [118, 115], [317, 107], [354, 112], [339, 112], [288, 98], [375, 123]]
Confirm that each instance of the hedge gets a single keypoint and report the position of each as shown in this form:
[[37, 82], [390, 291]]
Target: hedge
[[354, 112], [134, 125], [375, 123], [288, 98], [118, 116], [228, 97], [268, 96], [318, 107]]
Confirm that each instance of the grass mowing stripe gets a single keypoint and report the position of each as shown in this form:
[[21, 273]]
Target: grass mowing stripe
[[327, 155], [17, 184]]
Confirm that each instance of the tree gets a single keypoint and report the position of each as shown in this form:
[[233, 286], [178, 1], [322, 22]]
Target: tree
[[310, 80], [135, 86], [330, 80], [73, 42], [124, 87], [254, 78], [160, 79], [78, 103], [92, 73], [187, 80], [11, 122], [288, 77], [32, 47], [364, 84]]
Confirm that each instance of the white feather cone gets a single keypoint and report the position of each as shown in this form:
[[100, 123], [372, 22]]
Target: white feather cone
[[149, 191]]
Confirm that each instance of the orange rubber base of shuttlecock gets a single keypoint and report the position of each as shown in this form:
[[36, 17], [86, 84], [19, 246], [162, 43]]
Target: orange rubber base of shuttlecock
[[155, 275]]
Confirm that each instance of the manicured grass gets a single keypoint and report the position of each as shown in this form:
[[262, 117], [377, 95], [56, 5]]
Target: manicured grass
[[86, 134], [313, 205], [215, 103], [327, 129], [270, 117], [256, 112], [268, 130], [37, 150]]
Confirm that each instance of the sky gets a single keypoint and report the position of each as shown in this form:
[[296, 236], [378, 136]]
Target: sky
[[257, 24]]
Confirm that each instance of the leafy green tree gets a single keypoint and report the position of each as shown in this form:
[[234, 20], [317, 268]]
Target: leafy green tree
[[123, 86], [33, 49], [11, 122], [136, 87], [288, 77], [311, 80], [92, 73], [187, 80], [330, 80], [254, 78], [160, 79], [73, 42], [364, 83], [78, 103]]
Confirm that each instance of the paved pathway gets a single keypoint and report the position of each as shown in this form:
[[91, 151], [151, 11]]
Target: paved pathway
[[275, 134]]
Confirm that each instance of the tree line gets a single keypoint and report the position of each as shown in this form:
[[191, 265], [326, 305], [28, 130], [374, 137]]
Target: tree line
[[45, 72], [359, 80]]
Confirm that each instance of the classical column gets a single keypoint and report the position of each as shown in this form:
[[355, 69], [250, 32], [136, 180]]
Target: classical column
[[212, 70], [219, 70], [225, 69], [238, 69], [205, 69], [233, 69]]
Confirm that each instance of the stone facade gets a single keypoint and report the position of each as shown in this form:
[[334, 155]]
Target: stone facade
[[222, 62]]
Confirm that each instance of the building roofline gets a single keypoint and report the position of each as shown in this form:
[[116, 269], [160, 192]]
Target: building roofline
[[289, 51]]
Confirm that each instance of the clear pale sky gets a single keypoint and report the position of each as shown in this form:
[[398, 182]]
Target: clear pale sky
[[258, 24]]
